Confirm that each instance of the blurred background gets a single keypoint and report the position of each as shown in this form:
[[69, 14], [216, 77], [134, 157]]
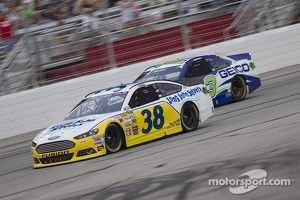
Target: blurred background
[[47, 41]]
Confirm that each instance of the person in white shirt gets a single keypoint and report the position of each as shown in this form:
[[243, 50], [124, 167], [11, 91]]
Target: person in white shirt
[[92, 26]]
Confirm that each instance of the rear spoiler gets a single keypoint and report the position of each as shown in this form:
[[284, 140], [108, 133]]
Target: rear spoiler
[[241, 56], [191, 81]]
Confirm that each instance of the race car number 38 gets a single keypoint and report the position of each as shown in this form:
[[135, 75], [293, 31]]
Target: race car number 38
[[157, 122]]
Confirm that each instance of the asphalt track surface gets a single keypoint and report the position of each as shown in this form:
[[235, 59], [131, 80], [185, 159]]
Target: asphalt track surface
[[262, 132]]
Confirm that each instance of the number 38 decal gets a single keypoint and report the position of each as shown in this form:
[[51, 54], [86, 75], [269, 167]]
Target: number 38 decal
[[158, 120]]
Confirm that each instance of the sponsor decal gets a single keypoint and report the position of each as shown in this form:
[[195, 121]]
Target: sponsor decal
[[133, 116], [230, 71], [135, 130], [98, 140], [119, 118], [53, 154], [128, 131], [100, 148], [182, 95], [123, 115], [54, 137], [127, 119], [252, 65], [175, 123], [204, 90], [71, 124]]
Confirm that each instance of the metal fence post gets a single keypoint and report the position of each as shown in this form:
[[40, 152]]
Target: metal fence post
[[109, 44], [35, 60], [183, 27]]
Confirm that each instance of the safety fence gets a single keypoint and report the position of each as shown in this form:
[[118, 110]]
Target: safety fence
[[81, 47]]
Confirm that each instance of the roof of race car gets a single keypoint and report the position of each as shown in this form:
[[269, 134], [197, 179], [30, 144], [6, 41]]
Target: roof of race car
[[178, 62], [124, 88]]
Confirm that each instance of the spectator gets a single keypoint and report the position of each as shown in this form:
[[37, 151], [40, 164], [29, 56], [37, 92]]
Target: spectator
[[156, 2], [92, 27], [81, 5], [155, 16], [63, 10], [3, 7], [13, 15], [7, 32], [28, 13], [72, 4], [127, 16], [112, 3], [40, 6], [51, 13]]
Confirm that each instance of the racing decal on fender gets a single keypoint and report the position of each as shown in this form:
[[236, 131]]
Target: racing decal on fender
[[135, 130], [175, 123], [230, 71], [98, 140], [182, 95], [47, 155], [71, 124]]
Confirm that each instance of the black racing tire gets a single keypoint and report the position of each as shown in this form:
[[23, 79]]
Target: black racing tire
[[238, 89], [189, 117], [113, 138]]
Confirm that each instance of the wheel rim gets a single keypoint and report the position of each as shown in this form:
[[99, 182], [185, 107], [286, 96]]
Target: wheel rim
[[237, 88], [112, 140], [188, 117]]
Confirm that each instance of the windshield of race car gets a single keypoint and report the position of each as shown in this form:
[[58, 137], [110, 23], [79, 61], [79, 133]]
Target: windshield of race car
[[168, 73], [98, 105]]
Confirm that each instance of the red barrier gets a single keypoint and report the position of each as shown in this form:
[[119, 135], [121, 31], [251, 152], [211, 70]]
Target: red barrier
[[147, 46], [209, 31]]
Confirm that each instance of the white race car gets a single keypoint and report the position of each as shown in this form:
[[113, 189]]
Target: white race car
[[228, 78], [126, 115]]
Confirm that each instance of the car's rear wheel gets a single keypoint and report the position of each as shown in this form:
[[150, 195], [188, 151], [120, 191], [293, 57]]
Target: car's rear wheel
[[113, 138], [238, 88], [189, 117]]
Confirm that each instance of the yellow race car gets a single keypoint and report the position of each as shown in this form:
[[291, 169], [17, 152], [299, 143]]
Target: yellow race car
[[109, 119]]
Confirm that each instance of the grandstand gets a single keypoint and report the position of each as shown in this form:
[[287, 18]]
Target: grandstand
[[60, 50]]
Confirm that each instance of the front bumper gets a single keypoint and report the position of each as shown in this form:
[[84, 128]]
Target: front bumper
[[67, 151]]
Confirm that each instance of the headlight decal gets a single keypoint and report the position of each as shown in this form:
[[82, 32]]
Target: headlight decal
[[87, 134]]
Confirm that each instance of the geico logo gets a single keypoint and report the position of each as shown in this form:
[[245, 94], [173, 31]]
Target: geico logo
[[55, 154], [230, 71], [71, 124]]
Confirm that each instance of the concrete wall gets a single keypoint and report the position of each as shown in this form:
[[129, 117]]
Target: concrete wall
[[38, 108]]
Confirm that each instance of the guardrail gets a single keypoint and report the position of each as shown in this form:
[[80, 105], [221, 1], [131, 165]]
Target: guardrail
[[40, 107], [64, 52], [67, 51]]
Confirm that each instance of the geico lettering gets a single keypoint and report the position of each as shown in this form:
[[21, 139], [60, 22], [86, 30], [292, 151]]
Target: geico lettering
[[54, 128], [172, 99], [230, 71], [223, 73], [239, 68], [246, 67], [71, 124], [47, 155], [78, 123]]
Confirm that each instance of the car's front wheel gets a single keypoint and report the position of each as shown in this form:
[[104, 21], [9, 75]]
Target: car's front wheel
[[238, 88], [113, 138], [189, 117]]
